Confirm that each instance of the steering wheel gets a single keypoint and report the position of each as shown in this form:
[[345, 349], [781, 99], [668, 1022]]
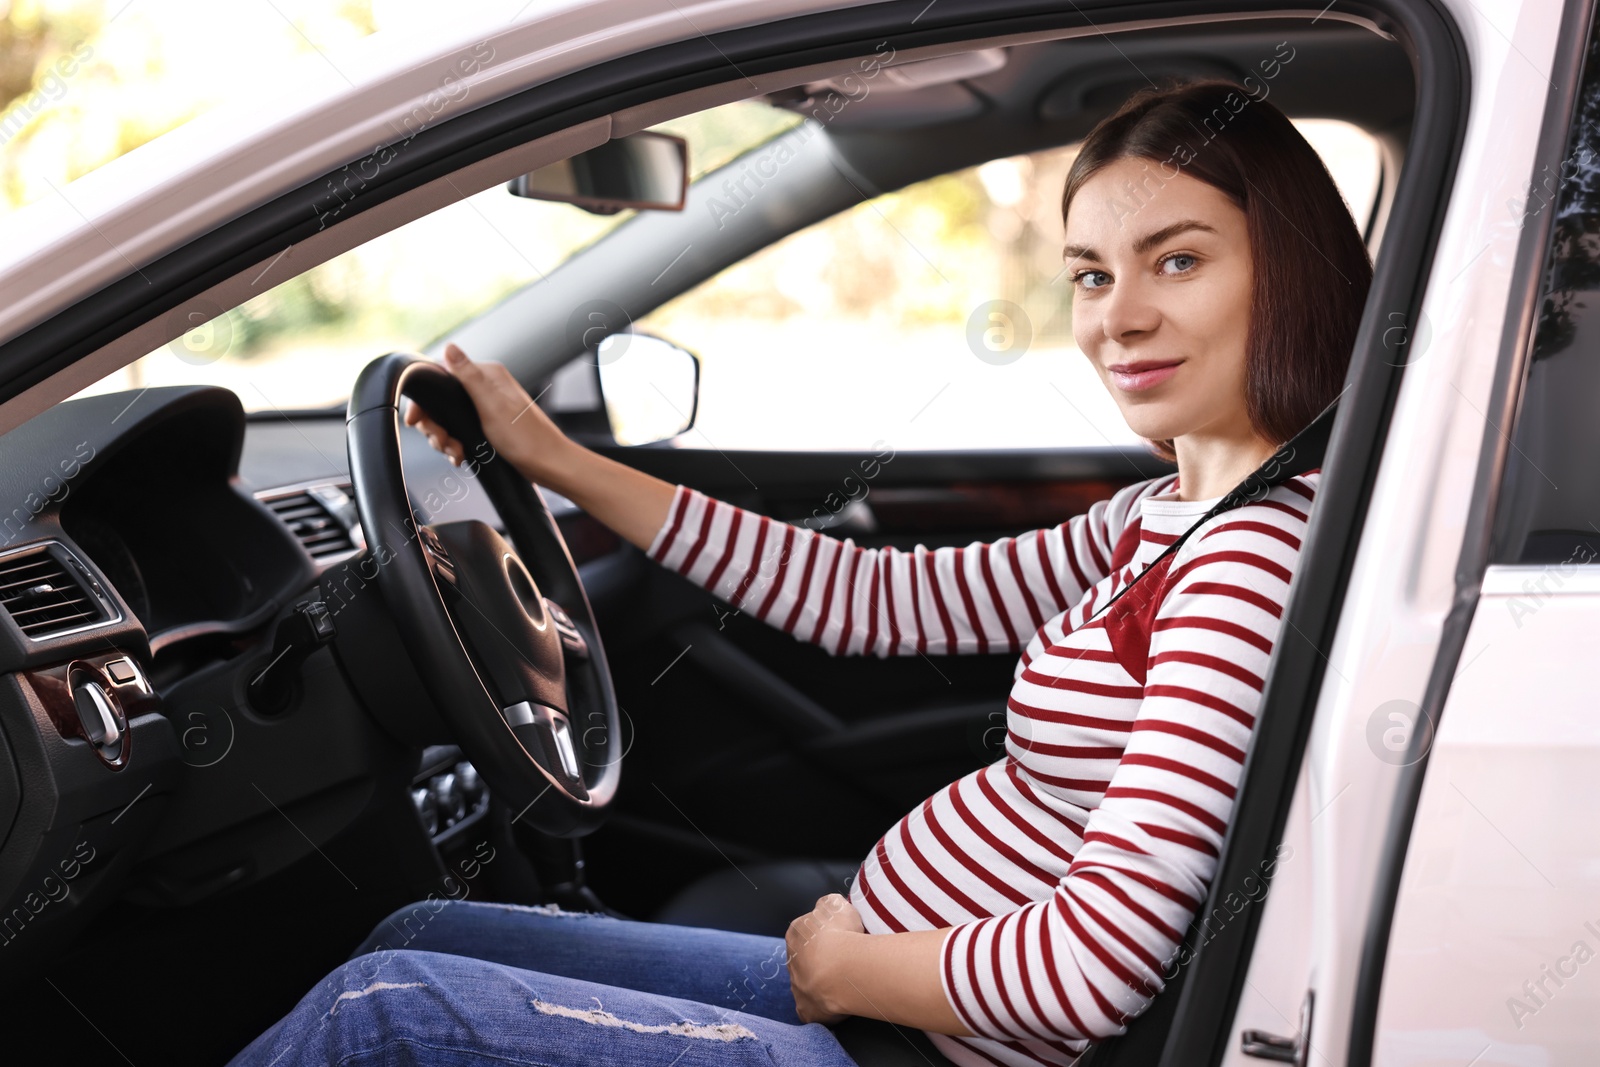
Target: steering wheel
[[503, 638]]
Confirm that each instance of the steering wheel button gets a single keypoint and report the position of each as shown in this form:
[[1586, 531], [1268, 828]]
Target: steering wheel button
[[548, 729], [569, 758]]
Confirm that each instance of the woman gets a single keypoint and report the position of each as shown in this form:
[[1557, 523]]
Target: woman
[[1032, 906]]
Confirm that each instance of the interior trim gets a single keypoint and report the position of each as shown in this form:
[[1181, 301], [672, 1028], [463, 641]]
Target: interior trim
[[1511, 580], [719, 471]]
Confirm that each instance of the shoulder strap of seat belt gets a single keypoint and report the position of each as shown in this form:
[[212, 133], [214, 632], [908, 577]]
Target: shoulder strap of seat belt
[[1301, 453]]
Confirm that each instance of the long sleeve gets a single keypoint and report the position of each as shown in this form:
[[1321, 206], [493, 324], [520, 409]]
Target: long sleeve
[[1076, 964], [851, 600]]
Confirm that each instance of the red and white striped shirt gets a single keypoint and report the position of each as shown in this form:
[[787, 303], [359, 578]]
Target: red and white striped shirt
[[1069, 869]]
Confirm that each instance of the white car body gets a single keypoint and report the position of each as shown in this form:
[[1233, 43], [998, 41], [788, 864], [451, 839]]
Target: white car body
[[1503, 865]]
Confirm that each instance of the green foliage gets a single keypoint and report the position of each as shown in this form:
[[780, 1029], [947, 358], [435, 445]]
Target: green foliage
[[917, 257], [309, 303], [32, 35], [359, 14]]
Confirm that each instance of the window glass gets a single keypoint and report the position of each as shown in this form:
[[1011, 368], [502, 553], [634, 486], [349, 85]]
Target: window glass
[[1549, 512], [934, 317], [302, 342]]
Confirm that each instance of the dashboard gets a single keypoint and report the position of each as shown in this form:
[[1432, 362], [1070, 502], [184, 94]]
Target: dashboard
[[197, 563], [154, 547]]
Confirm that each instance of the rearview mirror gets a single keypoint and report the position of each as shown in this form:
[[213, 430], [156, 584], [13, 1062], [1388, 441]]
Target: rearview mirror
[[643, 170]]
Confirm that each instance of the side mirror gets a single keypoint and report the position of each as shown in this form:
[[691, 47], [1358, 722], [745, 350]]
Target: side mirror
[[650, 387], [643, 170]]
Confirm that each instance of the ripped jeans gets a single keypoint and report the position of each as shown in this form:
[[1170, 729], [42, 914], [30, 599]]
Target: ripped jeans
[[456, 982]]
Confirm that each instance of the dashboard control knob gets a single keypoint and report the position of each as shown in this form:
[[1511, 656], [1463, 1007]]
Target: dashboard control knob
[[471, 782], [304, 630], [451, 801], [98, 716], [427, 809]]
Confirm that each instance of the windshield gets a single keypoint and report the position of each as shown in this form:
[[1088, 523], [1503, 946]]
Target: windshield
[[301, 343]]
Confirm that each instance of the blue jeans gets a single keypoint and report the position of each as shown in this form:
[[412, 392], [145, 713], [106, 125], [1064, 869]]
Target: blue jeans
[[456, 982]]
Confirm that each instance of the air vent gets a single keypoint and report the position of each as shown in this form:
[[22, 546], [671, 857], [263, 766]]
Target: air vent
[[322, 517], [48, 592]]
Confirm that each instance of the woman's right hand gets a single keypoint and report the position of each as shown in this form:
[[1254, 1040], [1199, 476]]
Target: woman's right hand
[[631, 502], [515, 426]]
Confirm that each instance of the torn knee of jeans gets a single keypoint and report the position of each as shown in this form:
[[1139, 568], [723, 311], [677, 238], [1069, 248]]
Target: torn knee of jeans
[[599, 1017], [546, 909], [357, 994]]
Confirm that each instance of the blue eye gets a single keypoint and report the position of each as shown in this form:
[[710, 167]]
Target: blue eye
[[1081, 278], [1176, 256]]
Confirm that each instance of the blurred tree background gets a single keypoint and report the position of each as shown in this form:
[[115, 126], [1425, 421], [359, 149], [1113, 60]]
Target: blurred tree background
[[83, 82], [33, 40], [923, 256], [29, 34]]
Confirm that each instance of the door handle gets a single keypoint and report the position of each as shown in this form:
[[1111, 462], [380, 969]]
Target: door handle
[[1262, 1045]]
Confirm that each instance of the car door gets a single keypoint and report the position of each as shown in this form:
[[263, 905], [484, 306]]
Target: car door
[[1439, 829], [1497, 891]]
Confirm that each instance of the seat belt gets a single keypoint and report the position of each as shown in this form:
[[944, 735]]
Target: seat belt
[[1301, 453]]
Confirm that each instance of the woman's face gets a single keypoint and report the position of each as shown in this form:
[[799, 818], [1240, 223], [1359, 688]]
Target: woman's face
[[1161, 275]]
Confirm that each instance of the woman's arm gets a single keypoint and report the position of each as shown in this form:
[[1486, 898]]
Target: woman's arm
[[852, 600], [985, 597]]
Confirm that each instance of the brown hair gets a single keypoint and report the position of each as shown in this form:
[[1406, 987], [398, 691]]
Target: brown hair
[[1311, 268]]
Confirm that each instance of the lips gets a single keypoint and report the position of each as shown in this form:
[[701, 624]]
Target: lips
[[1134, 377]]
